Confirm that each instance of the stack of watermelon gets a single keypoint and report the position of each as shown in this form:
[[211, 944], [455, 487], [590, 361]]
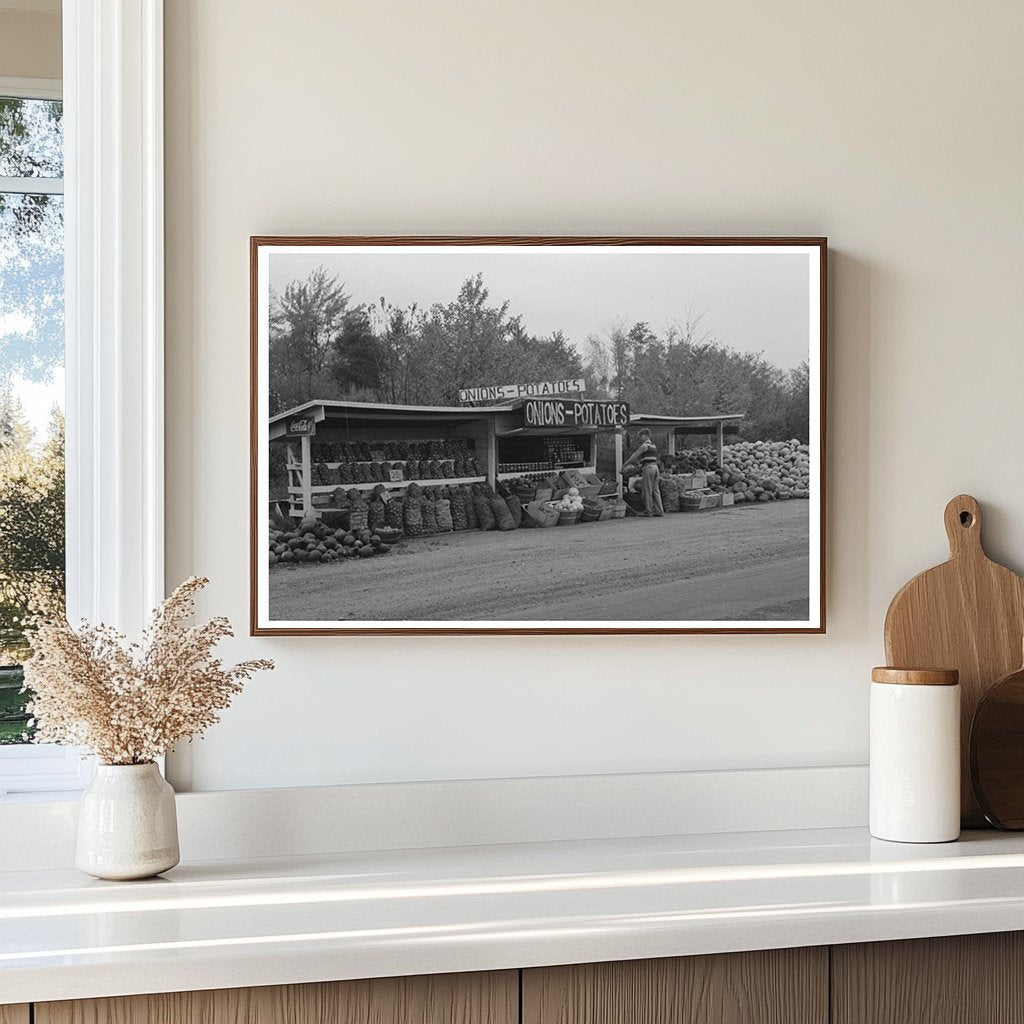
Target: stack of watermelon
[[312, 542]]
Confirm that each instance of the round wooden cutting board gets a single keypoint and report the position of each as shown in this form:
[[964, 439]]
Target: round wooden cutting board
[[967, 614], [997, 752]]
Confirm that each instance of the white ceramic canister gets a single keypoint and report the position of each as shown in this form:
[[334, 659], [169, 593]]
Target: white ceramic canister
[[915, 755]]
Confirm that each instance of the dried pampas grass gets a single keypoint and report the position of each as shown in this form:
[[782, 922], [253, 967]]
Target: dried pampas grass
[[128, 704]]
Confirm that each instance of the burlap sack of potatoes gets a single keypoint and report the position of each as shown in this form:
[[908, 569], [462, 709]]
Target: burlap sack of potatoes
[[484, 513], [412, 516], [502, 515], [515, 508], [443, 508]]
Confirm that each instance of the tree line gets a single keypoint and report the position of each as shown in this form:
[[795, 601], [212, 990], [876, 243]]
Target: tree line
[[323, 346]]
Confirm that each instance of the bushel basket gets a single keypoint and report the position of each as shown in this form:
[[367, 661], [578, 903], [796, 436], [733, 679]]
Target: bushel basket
[[540, 514], [595, 510]]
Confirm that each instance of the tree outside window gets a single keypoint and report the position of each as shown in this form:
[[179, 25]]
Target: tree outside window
[[31, 385]]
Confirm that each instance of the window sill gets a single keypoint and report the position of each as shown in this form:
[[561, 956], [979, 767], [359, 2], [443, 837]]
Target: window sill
[[42, 797], [42, 771]]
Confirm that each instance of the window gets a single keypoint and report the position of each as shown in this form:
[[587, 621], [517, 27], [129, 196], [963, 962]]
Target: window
[[112, 213], [31, 409]]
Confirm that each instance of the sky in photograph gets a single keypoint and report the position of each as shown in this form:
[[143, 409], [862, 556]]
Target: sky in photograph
[[751, 302]]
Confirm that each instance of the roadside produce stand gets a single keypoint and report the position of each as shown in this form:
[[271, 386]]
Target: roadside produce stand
[[361, 476], [361, 446]]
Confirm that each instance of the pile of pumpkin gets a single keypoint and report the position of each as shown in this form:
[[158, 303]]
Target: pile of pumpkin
[[313, 541], [764, 470]]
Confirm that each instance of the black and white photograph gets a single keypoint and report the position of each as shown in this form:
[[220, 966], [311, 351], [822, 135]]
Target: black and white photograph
[[537, 435]]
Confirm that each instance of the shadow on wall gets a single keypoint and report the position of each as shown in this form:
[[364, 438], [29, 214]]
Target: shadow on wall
[[853, 288]]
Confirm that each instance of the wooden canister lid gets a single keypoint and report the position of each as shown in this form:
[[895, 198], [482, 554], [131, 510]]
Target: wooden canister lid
[[916, 676]]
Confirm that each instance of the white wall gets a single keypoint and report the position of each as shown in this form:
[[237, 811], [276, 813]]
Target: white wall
[[895, 129]]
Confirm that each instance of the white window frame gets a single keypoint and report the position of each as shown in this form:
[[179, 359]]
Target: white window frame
[[31, 89], [114, 264]]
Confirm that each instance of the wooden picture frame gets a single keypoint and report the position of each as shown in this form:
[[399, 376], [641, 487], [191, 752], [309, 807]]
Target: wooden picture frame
[[352, 417]]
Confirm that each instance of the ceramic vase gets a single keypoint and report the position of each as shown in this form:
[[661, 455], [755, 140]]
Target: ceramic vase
[[127, 825]]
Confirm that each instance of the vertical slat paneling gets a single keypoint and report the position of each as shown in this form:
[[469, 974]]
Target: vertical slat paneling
[[14, 1014], [961, 979], [781, 986], [483, 998]]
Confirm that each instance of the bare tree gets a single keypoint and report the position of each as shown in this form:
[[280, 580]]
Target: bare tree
[[598, 363]]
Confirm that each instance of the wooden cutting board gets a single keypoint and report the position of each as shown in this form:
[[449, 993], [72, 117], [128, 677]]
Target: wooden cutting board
[[967, 614], [997, 752]]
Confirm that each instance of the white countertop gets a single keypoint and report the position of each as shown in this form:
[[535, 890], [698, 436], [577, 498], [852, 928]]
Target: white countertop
[[297, 919]]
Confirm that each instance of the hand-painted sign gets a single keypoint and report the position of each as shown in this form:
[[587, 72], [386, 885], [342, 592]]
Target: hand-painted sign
[[541, 389], [548, 412], [301, 426]]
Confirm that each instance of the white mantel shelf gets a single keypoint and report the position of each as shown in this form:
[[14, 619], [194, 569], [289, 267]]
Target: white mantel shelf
[[227, 924]]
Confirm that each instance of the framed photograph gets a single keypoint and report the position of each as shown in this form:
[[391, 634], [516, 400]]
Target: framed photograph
[[537, 435]]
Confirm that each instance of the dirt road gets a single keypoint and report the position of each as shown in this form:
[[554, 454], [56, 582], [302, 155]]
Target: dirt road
[[747, 562]]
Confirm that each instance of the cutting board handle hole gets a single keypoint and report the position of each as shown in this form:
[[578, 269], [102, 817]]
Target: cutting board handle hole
[[966, 519]]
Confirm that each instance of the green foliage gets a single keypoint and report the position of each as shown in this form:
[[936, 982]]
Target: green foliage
[[14, 719], [31, 548], [31, 524], [31, 347]]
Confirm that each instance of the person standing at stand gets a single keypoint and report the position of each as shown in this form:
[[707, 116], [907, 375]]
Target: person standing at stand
[[646, 456]]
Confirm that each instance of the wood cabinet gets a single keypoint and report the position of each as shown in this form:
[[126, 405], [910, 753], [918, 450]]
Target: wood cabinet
[[962, 979], [968, 979], [482, 998], [777, 986]]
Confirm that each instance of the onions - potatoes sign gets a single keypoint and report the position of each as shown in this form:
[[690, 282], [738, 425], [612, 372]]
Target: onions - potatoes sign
[[543, 412], [540, 389]]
